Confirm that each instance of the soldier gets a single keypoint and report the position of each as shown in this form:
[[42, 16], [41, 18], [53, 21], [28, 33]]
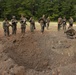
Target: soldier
[[70, 32], [6, 27], [70, 22], [64, 23], [59, 23], [14, 25], [32, 24], [23, 24], [42, 22], [48, 21]]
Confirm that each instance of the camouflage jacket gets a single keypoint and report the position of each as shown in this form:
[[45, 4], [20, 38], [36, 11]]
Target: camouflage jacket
[[5, 24]]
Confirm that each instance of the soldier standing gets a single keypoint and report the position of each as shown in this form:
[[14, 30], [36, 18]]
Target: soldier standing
[[6, 27], [14, 25], [48, 21], [23, 24], [32, 24], [70, 22], [64, 23], [42, 22], [59, 23]]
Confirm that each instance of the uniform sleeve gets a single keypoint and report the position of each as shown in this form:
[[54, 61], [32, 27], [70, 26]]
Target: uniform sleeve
[[3, 25], [39, 20], [29, 20], [16, 21], [26, 19]]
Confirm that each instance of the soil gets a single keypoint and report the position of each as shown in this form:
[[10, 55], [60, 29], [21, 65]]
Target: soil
[[38, 54]]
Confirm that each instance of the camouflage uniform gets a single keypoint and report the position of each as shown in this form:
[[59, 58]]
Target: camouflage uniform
[[70, 33], [48, 21], [6, 27], [42, 23], [70, 22], [23, 24], [64, 23], [14, 25], [43, 17], [59, 23], [32, 24]]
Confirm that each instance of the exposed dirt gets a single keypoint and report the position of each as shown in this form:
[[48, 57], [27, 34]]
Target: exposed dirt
[[38, 54]]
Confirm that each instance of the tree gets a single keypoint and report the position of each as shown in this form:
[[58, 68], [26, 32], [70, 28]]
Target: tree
[[36, 8]]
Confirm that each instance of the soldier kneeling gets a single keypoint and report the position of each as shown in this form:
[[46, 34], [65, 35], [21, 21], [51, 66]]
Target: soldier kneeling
[[70, 32]]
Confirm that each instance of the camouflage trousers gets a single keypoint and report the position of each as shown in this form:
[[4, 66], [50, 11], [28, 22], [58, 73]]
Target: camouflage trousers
[[6, 31], [64, 27], [23, 29], [70, 26], [59, 26], [42, 28], [47, 26], [14, 29], [32, 28]]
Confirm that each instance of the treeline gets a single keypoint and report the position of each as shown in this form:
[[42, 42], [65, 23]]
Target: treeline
[[36, 8]]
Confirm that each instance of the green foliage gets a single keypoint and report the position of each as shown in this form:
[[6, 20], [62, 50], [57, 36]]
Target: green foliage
[[36, 8]]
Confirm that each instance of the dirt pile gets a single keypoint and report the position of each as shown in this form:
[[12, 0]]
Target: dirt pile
[[9, 67], [38, 54]]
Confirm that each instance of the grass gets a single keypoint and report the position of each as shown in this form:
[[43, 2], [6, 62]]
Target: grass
[[37, 24], [51, 23]]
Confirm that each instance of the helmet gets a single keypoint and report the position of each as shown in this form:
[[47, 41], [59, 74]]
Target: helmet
[[13, 17]]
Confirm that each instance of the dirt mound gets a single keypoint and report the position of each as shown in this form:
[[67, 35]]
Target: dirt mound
[[40, 54], [9, 67]]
